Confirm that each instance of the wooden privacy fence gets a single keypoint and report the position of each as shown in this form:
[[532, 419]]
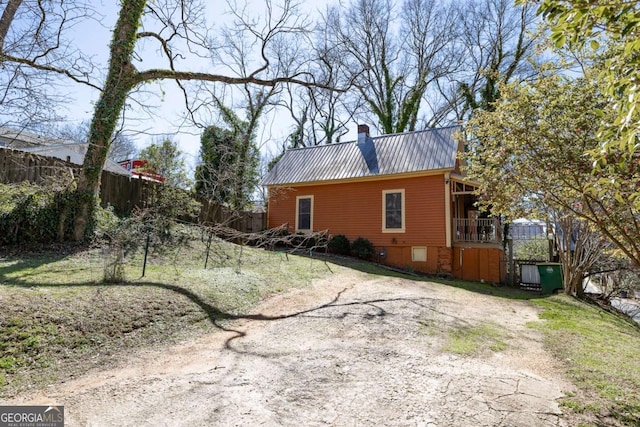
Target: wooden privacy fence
[[215, 213], [122, 192], [20, 166]]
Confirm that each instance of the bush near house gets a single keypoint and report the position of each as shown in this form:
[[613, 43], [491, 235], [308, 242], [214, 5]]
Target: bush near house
[[362, 248], [339, 245]]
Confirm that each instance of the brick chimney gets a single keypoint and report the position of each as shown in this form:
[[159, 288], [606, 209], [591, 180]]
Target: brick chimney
[[363, 134], [367, 149]]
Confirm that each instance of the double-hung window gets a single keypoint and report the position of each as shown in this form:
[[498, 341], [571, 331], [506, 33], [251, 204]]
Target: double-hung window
[[304, 213], [393, 211]]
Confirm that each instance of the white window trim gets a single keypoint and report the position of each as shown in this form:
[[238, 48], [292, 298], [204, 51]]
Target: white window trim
[[298, 230], [413, 253], [384, 212]]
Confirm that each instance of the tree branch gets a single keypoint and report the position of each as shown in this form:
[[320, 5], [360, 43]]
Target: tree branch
[[160, 74], [163, 42], [44, 67]]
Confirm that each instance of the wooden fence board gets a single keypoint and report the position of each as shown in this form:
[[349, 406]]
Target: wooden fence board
[[122, 192]]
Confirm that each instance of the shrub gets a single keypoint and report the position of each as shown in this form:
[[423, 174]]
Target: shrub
[[157, 224], [339, 244], [107, 223], [32, 214], [362, 248]]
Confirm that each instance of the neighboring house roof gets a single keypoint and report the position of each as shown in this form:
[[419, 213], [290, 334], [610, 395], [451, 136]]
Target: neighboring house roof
[[139, 169], [432, 149], [73, 153], [19, 138], [52, 147]]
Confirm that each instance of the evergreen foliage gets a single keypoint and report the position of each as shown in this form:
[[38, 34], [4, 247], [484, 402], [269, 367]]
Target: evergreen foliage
[[362, 248], [228, 172], [339, 244], [166, 159]]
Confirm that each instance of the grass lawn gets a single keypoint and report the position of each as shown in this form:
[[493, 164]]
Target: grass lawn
[[59, 319], [599, 350]]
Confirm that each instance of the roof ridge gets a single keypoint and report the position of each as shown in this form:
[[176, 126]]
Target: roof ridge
[[30, 137], [386, 135], [416, 131], [395, 154], [320, 145], [62, 144]]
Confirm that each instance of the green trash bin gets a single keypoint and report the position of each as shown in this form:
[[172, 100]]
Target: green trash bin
[[550, 276]]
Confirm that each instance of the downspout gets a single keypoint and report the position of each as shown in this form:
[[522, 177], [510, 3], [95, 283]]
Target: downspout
[[447, 208]]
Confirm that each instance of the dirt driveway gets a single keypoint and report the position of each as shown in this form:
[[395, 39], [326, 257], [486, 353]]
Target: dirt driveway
[[361, 350]]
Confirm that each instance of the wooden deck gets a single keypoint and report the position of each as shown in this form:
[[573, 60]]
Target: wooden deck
[[481, 230]]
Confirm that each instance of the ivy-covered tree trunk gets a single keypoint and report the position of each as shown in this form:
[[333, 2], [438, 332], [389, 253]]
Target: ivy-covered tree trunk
[[121, 78], [35, 41]]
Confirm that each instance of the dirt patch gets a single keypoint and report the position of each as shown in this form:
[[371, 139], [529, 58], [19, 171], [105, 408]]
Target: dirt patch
[[350, 351]]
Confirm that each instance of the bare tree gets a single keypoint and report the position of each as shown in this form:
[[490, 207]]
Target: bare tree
[[394, 57], [181, 35], [580, 248], [229, 154], [321, 115], [35, 58], [497, 37]]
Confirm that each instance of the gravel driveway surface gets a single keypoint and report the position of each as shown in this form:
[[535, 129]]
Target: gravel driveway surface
[[355, 350]]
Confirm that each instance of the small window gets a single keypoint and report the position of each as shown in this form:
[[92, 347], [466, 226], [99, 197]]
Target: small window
[[419, 253], [393, 211], [304, 213]]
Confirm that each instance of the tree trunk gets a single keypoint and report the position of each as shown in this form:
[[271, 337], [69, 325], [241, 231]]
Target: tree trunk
[[121, 78], [6, 20], [580, 287]]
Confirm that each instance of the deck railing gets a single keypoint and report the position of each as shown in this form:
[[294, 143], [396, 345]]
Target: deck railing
[[480, 230]]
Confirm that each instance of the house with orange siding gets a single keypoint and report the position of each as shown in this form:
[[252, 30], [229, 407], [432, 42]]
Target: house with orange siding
[[403, 192]]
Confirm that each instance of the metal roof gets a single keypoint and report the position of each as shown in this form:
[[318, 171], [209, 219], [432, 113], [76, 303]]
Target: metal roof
[[431, 149], [52, 147], [74, 153], [20, 138]]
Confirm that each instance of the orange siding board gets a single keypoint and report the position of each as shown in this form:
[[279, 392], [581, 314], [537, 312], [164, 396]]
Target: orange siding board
[[471, 264], [355, 210], [483, 258], [400, 256]]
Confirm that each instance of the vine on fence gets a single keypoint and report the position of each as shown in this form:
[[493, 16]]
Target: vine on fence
[[32, 214]]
